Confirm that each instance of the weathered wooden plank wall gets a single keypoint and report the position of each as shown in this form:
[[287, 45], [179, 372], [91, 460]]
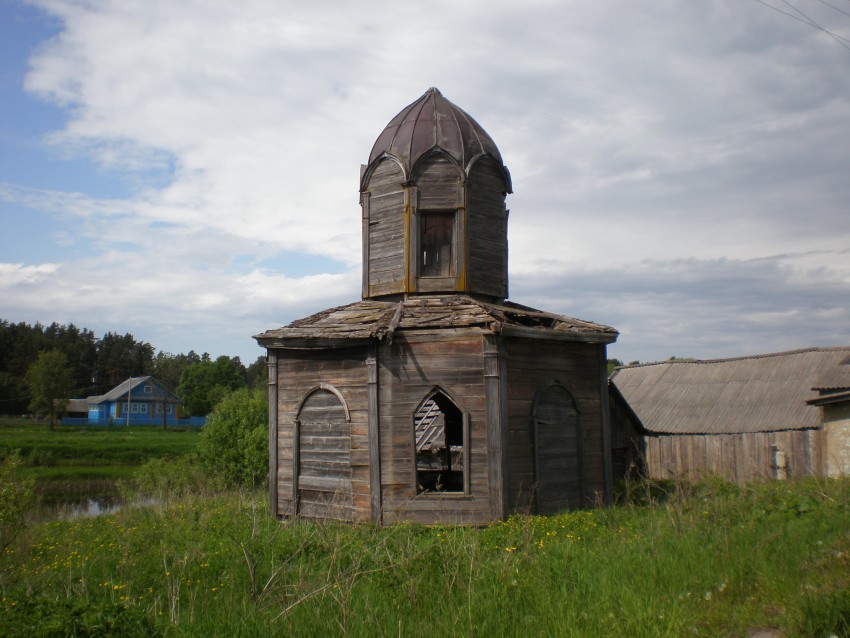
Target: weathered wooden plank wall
[[384, 231], [300, 371], [627, 445], [736, 457], [533, 364], [409, 369], [438, 181], [487, 228]]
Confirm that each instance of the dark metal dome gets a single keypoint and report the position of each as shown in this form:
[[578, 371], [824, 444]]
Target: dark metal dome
[[432, 122]]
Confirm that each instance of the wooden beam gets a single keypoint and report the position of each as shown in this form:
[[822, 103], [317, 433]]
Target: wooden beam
[[605, 411], [271, 360], [374, 435], [496, 408]]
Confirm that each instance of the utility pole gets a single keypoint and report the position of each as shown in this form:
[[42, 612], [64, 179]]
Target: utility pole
[[129, 392]]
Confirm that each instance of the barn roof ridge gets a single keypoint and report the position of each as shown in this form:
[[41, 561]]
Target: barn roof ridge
[[739, 358], [756, 393]]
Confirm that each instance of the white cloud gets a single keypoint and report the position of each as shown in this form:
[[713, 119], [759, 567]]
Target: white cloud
[[17, 274], [666, 147]]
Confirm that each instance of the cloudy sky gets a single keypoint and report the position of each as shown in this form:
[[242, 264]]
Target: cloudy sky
[[188, 171]]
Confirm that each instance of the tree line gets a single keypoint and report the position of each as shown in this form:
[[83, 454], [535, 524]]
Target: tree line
[[94, 365]]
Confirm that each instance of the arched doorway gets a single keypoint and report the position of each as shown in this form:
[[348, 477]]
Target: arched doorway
[[557, 450], [323, 457]]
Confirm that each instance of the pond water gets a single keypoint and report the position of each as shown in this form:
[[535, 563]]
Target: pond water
[[90, 508]]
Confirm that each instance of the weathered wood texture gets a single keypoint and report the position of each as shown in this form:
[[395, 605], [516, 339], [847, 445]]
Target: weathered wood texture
[[628, 451], [557, 450], [487, 230], [534, 364], [736, 457], [409, 370], [345, 492], [385, 231], [324, 458], [438, 181], [837, 429], [375, 319]]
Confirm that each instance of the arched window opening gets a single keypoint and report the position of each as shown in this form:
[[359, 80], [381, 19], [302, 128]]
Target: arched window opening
[[440, 446]]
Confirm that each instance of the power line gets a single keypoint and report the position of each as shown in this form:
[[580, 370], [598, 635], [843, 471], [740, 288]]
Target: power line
[[807, 21], [834, 7]]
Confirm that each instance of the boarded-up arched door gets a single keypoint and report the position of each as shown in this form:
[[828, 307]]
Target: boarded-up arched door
[[323, 457], [557, 444]]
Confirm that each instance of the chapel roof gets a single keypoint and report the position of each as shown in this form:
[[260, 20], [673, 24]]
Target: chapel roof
[[432, 122], [371, 319]]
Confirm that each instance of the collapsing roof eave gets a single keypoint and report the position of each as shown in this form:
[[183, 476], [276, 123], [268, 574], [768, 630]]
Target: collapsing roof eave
[[369, 320]]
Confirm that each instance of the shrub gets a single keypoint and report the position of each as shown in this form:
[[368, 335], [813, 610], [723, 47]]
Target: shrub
[[234, 443], [36, 617], [164, 478]]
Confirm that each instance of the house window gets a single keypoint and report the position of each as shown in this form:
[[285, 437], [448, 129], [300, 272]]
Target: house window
[[436, 244], [143, 408], [148, 389], [440, 441], [134, 408]]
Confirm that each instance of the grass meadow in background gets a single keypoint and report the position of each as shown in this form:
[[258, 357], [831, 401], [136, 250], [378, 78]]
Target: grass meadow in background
[[77, 463]]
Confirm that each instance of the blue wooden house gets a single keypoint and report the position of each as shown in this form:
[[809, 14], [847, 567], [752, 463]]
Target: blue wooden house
[[136, 401]]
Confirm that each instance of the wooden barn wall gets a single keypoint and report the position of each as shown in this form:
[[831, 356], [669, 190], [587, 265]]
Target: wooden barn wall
[[300, 371], [487, 230], [532, 364], [385, 230], [407, 371], [627, 446], [736, 457], [837, 428]]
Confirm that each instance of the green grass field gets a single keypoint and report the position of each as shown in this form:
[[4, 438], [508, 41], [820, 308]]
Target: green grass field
[[707, 560], [670, 560]]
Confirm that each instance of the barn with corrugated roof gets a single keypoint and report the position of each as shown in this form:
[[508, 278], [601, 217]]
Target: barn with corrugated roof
[[434, 398], [780, 415]]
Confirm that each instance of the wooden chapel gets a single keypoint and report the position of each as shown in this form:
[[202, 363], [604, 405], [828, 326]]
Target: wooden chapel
[[434, 399]]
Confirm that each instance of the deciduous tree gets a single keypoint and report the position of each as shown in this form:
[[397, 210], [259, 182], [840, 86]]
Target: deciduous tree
[[51, 383], [205, 383]]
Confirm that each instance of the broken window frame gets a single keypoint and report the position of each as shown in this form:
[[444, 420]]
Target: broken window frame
[[443, 237], [458, 480]]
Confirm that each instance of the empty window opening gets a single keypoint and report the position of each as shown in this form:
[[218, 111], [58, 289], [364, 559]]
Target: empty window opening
[[436, 239], [440, 452]]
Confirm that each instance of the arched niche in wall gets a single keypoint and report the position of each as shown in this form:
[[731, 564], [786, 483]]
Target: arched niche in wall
[[557, 449], [322, 458]]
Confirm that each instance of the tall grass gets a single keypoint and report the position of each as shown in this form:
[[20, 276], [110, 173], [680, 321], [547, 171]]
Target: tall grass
[[711, 559]]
